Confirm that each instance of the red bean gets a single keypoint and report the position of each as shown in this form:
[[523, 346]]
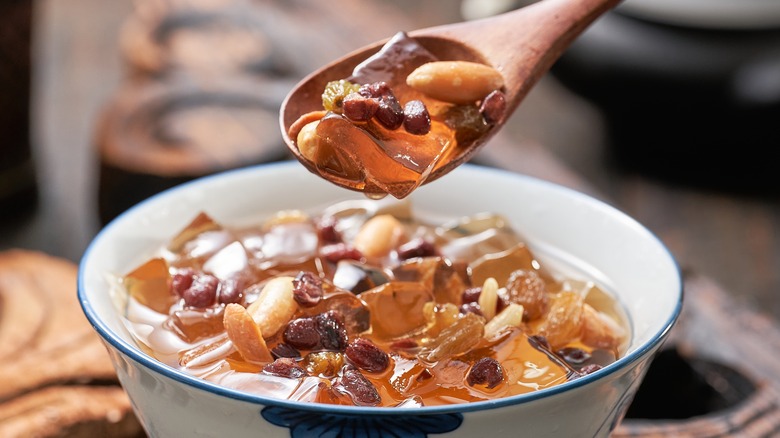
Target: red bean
[[404, 344], [327, 231], [307, 289], [359, 388], [367, 356], [182, 280], [389, 114], [333, 333], [359, 108], [493, 107], [375, 89], [285, 350], [486, 371], [417, 120], [202, 292], [418, 247], [285, 367], [572, 355], [340, 251], [302, 334], [231, 290]]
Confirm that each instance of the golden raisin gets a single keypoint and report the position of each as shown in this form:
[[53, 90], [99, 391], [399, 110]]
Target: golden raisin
[[526, 287], [563, 323], [335, 92]]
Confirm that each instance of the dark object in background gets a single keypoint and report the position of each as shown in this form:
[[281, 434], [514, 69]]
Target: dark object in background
[[156, 135], [696, 103], [200, 96], [677, 387], [18, 188]]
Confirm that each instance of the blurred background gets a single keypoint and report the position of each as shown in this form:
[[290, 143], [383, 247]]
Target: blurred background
[[667, 109]]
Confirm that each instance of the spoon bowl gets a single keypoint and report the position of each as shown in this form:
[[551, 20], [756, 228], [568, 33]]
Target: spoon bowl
[[522, 44]]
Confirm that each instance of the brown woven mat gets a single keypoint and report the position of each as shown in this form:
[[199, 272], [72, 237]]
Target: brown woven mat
[[56, 378]]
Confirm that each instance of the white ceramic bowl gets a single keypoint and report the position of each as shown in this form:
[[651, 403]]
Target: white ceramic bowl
[[557, 222]]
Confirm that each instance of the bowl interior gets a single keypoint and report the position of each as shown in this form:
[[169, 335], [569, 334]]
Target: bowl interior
[[586, 235]]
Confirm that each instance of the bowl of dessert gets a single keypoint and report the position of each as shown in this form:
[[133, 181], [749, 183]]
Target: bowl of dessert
[[265, 302]]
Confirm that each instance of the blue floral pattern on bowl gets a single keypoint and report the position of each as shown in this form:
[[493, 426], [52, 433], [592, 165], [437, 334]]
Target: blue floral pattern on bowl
[[304, 424]]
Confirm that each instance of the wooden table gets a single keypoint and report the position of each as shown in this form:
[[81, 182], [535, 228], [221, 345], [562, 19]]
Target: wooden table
[[733, 241]]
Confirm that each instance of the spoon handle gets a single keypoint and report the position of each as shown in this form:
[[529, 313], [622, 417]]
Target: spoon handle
[[523, 44]]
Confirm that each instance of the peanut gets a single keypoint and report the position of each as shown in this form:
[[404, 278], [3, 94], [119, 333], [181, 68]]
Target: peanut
[[599, 330], [245, 334], [488, 298], [511, 316], [304, 120], [308, 141], [459, 82], [275, 306], [378, 236]]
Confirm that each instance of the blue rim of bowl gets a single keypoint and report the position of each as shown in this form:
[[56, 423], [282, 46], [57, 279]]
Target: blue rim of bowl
[[134, 353]]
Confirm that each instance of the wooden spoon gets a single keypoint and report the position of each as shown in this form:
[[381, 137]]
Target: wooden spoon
[[522, 44]]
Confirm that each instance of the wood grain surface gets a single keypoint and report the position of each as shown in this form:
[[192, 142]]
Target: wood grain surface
[[56, 378]]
